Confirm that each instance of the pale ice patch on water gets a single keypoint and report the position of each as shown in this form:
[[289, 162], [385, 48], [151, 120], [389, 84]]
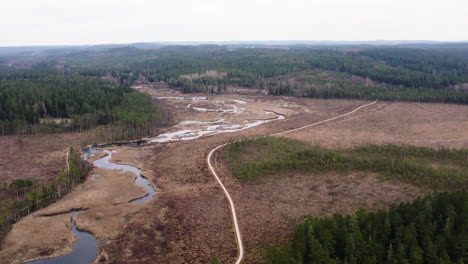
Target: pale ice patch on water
[[173, 136], [239, 101], [201, 109], [189, 122], [208, 128], [279, 115], [238, 109], [196, 122], [196, 98], [170, 97], [182, 98], [233, 110], [193, 129]]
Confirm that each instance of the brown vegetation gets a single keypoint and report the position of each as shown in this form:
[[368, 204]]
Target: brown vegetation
[[189, 220], [38, 157], [419, 124], [198, 221]]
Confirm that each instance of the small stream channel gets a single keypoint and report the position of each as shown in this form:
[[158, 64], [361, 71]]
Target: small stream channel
[[84, 251], [139, 180], [86, 248]]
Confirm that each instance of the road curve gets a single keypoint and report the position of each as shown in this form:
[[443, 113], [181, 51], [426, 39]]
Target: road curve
[[228, 196]]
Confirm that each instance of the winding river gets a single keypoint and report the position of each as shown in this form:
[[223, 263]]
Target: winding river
[[86, 248], [84, 251], [139, 180]]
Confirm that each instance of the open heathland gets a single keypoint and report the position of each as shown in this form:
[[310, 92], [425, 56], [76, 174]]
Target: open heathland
[[253, 159]]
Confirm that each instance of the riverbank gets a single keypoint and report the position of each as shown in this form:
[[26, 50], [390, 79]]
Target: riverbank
[[189, 221]]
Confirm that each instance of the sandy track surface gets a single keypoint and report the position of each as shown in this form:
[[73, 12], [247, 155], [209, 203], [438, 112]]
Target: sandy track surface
[[188, 217], [226, 192]]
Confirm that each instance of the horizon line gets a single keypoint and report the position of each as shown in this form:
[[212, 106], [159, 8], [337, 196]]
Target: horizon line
[[195, 42]]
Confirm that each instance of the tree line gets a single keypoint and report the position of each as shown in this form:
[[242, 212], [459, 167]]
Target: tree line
[[28, 195], [58, 103], [426, 74], [428, 230], [404, 163], [411, 74]]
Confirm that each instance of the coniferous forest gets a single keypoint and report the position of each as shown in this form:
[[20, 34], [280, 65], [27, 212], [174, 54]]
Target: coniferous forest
[[425, 73], [67, 103], [29, 195], [74, 89], [429, 230]]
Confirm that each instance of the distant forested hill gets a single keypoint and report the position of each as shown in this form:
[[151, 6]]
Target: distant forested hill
[[86, 86], [424, 72]]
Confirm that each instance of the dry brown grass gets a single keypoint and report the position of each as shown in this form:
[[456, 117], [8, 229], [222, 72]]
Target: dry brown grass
[[197, 224], [419, 124], [38, 157], [189, 220], [269, 211]]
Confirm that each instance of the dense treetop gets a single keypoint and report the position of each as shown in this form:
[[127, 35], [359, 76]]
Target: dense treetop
[[253, 160], [85, 87], [429, 230], [32, 102], [434, 73]]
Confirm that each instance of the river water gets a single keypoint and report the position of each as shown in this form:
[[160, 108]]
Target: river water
[[139, 180], [86, 249]]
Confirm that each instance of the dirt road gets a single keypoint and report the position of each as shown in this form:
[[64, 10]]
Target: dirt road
[[228, 196], [189, 217]]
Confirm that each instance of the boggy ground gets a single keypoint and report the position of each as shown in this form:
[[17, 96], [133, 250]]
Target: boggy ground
[[38, 157], [189, 219], [419, 124], [45, 233], [196, 225], [35, 156]]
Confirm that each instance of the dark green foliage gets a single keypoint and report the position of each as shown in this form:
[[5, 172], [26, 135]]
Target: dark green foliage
[[390, 94], [56, 97], [412, 75], [421, 67], [406, 163], [81, 103], [429, 230], [28, 195], [135, 117], [426, 74], [20, 186], [215, 260]]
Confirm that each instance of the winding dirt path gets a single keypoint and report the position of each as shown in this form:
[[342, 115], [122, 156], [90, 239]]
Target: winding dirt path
[[68, 164], [228, 196]]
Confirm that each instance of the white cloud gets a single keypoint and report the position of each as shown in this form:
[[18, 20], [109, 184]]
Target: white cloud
[[33, 22]]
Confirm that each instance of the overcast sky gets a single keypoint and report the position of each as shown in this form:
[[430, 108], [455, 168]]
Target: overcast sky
[[58, 22]]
